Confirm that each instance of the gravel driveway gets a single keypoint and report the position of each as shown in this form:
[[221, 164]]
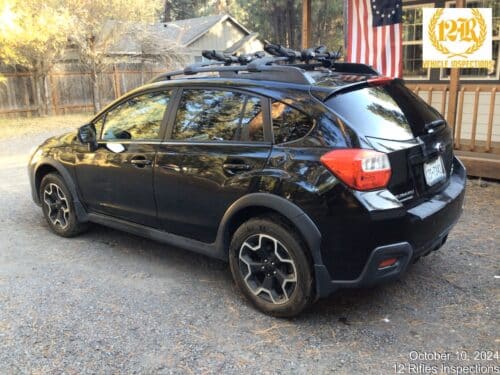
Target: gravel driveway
[[110, 302]]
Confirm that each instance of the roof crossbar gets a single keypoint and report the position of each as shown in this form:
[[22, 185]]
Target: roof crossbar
[[283, 64]]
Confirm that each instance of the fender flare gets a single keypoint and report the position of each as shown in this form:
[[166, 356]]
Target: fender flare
[[309, 231], [81, 212]]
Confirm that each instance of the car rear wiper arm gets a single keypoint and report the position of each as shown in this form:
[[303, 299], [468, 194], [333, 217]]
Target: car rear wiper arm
[[435, 124]]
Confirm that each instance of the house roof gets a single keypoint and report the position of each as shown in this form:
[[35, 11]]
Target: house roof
[[181, 33], [187, 31]]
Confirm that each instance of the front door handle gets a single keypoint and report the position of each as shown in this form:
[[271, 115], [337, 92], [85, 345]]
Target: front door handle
[[140, 161]]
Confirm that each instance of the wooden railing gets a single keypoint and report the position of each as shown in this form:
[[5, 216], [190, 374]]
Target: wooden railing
[[478, 114], [476, 128]]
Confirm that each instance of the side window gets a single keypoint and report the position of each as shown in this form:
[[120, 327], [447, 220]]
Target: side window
[[289, 124], [217, 115], [138, 118]]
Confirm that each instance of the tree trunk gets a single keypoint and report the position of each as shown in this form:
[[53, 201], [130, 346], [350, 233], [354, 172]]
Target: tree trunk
[[291, 12], [167, 11], [96, 92], [38, 94], [47, 108]]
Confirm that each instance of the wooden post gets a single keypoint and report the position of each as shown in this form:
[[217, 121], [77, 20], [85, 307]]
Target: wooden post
[[454, 83], [458, 132], [306, 23], [429, 95], [474, 119], [452, 103], [490, 119], [443, 101]]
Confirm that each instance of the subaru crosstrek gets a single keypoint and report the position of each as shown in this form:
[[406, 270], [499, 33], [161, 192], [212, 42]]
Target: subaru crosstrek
[[305, 177]]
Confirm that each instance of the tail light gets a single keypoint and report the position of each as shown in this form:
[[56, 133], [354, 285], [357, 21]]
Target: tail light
[[359, 169]]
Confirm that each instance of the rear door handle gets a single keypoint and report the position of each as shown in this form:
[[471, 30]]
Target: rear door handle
[[171, 167], [235, 167], [140, 161]]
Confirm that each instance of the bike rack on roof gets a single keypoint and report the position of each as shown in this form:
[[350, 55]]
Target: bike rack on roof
[[283, 65]]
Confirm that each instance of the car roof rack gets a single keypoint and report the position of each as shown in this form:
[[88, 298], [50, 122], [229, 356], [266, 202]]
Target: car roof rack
[[279, 64]]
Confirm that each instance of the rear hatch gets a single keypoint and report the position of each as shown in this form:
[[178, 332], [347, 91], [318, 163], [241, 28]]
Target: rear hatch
[[390, 118]]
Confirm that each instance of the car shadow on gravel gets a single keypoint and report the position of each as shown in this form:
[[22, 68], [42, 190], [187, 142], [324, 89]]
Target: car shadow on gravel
[[144, 253]]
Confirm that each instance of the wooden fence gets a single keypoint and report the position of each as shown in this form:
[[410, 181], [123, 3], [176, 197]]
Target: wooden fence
[[68, 91], [476, 129]]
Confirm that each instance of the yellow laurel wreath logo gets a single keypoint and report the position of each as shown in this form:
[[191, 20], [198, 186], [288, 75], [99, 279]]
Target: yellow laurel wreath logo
[[431, 33]]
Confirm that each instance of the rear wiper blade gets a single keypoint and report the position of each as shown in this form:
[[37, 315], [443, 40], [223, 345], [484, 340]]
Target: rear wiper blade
[[435, 124]]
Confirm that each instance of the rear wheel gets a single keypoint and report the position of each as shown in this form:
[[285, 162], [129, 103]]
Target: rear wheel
[[270, 266], [58, 208]]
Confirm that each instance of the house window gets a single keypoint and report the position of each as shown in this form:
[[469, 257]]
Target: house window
[[412, 43], [482, 73]]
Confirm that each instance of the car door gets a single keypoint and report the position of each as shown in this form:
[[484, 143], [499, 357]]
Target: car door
[[217, 141], [117, 178]]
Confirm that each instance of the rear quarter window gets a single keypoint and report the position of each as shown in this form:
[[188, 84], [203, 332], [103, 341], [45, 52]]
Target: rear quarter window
[[289, 124]]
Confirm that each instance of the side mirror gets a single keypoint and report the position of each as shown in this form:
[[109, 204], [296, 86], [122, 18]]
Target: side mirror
[[87, 135]]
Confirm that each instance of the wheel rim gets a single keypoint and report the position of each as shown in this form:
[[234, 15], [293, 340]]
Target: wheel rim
[[57, 205], [268, 269]]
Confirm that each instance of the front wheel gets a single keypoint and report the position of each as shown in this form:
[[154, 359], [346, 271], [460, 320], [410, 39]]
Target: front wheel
[[58, 207], [269, 264]]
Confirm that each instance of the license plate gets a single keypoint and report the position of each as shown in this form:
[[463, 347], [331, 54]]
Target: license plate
[[434, 171]]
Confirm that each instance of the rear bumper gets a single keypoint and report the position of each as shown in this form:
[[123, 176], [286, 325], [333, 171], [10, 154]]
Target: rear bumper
[[415, 233]]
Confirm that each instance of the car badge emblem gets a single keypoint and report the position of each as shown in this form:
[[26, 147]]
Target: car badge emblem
[[440, 147]]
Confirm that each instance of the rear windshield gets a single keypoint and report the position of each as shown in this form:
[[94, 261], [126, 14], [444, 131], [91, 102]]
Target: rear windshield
[[390, 112]]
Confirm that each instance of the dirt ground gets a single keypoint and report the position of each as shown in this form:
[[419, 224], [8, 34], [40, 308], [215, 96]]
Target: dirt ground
[[110, 302]]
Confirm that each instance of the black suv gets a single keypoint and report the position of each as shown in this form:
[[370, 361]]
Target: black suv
[[306, 174]]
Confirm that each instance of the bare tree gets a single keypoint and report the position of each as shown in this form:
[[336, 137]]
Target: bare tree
[[98, 53], [34, 39], [155, 49], [94, 35], [93, 50]]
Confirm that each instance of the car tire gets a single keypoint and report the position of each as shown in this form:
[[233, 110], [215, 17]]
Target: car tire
[[58, 207], [269, 264]]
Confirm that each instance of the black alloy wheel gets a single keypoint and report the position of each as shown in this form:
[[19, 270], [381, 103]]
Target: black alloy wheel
[[58, 207], [269, 271], [271, 265]]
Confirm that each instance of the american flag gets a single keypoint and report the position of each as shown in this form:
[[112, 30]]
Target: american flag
[[374, 37]]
